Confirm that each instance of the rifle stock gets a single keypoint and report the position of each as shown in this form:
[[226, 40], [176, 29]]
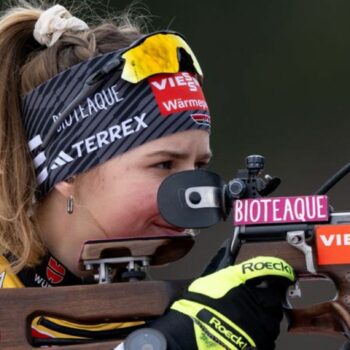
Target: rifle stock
[[131, 301], [96, 303]]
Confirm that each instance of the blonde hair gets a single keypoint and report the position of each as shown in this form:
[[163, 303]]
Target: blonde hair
[[24, 64]]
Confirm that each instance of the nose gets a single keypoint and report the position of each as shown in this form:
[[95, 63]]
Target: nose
[[189, 165]]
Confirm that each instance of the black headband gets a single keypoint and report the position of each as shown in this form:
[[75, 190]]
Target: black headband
[[115, 118]]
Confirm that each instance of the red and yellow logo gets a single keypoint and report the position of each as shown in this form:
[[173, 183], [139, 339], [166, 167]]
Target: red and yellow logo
[[177, 93], [333, 244]]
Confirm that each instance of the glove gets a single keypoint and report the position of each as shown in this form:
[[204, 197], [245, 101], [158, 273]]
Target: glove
[[238, 307]]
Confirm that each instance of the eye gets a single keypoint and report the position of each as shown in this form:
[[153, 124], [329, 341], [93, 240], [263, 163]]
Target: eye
[[164, 165]]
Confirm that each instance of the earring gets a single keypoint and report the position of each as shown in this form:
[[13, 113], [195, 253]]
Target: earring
[[70, 205]]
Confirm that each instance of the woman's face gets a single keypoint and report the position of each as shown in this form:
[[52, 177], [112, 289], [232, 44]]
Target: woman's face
[[120, 196], [118, 199]]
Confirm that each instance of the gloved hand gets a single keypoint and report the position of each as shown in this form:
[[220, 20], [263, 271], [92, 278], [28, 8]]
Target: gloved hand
[[238, 307]]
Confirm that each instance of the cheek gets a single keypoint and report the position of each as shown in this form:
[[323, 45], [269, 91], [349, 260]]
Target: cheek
[[142, 199], [131, 210]]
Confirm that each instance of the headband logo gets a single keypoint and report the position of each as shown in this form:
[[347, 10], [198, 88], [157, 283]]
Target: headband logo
[[102, 100], [177, 93], [201, 118], [86, 146], [177, 80], [112, 134]]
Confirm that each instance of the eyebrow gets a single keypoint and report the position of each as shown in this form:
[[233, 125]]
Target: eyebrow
[[178, 155]]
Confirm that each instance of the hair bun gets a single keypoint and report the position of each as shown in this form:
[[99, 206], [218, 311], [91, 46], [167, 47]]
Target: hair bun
[[54, 22]]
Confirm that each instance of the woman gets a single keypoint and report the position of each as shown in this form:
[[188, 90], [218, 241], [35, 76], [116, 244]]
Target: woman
[[92, 121]]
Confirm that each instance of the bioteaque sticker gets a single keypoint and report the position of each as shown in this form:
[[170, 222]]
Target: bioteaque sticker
[[177, 92], [280, 210], [333, 244]]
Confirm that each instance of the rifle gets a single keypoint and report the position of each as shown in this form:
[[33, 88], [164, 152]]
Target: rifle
[[304, 231], [193, 199]]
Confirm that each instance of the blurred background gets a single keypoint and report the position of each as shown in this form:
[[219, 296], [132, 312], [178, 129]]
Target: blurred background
[[277, 76]]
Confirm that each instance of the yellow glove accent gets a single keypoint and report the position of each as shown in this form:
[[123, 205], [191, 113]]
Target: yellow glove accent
[[210, 324], [218, 284]]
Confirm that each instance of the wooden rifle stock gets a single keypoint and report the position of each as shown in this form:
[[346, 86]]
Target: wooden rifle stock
[[96, 303], [132, 301]]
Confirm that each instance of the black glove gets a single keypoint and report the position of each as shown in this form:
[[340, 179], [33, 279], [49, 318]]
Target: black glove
[[238, 307]]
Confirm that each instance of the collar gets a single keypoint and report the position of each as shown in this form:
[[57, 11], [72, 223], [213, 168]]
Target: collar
[[49, 273]]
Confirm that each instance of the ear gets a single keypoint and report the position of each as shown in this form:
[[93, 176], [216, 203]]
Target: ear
[[66, 188]]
